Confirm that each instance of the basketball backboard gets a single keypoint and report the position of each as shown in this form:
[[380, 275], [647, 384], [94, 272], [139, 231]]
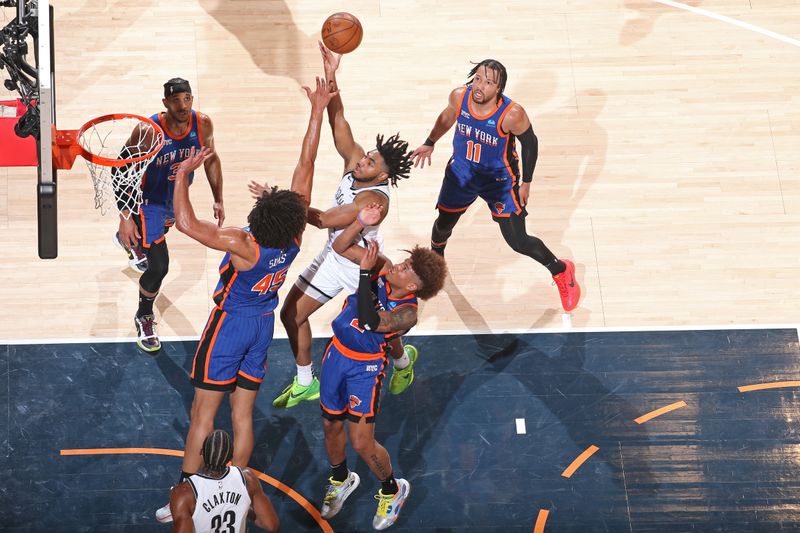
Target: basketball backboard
[[34, 111]]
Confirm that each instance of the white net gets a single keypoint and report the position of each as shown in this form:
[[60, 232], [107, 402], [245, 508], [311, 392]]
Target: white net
[[119, 149]]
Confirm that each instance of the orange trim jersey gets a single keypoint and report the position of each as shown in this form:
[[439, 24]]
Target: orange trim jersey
[[158, 182], [255, 291], [479, 144], [357, 343], [484, 163]]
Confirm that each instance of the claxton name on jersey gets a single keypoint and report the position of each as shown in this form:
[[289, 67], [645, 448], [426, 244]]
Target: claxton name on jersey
[[480, 136], [220, 498]]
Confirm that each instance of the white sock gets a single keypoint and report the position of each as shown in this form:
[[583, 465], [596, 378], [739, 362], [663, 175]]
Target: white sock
[[402, 362], [305, 375]]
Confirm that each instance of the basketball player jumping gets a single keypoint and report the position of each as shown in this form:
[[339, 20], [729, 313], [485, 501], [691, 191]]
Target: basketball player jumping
[[382, 308], [485, 163], [184, 129], [220, 497], [366, 180], [232, 352]]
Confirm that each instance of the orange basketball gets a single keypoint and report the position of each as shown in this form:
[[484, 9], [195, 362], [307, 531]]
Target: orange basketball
[[341, 33]]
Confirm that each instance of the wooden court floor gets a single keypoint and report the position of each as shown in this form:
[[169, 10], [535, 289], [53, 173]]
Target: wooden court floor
[[668, 170]]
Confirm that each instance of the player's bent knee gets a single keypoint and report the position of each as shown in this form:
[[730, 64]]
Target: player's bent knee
[[332, 427], [363, 445]]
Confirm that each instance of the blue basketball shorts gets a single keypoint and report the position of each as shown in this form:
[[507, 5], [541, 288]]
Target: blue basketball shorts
[[233, 351], [461, 187], [350, 388], [155, 221]]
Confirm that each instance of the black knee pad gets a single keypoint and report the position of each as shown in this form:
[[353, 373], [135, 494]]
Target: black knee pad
[[157, 267]]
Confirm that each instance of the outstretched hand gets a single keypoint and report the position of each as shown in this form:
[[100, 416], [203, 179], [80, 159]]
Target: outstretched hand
[[421, 155], [193, 160], [257, 189], [370, 257], [330, 60], [370, 214], [321, 95]]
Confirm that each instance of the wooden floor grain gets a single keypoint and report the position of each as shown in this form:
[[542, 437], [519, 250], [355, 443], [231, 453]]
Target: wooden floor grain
[[669, 167]]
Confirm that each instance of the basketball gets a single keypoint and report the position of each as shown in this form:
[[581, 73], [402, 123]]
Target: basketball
[[341, 33]]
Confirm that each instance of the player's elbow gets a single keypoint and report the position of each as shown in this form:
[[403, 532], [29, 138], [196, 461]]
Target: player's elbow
[[183, 222], [325, 222]]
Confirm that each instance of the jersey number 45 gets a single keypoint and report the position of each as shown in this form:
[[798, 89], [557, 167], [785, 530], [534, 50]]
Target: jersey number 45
[[271, 282]]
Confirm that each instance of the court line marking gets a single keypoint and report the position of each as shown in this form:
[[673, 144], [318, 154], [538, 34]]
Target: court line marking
[[732, 21], [588, 452], [440, 332], [305, 504], [660, 411], [772, 385], [541, 519]]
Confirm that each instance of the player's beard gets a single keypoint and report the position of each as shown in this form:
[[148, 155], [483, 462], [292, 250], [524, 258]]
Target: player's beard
[[181, 121]]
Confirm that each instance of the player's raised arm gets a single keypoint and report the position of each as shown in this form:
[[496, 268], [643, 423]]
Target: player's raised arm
[[233, 240], [443, 123], [346, 145], [346, 245], [399, 319], [304, 171], [342, 215]]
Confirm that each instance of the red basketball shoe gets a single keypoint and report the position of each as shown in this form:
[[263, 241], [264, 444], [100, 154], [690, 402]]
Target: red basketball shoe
[[568, 287]]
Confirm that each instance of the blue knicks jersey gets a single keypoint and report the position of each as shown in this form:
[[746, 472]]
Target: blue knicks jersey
[[479, 145], [255, 291], [360, 341], [158, 182]]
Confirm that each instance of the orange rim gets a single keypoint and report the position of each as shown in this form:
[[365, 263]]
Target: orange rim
[[99, 160]]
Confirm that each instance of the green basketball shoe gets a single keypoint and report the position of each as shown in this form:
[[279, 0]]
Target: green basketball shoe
[[296, 393], [403, 377]]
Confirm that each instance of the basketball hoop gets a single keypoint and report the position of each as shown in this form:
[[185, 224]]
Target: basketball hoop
[[117, 149]]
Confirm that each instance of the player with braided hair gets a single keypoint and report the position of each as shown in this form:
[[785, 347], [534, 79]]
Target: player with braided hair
[[220, 496], [367, 175]]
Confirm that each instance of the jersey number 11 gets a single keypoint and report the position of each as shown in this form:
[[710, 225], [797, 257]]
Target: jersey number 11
[[473, 152]]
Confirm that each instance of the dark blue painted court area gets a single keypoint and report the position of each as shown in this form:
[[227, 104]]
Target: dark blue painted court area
[[727, 461]]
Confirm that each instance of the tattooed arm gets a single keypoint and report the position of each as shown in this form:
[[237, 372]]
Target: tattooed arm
[[399, 320]]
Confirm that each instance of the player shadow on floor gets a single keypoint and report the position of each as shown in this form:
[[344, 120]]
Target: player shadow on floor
[[588, 411], [272, 432], [636, 29], [557, 379], [291, 51]]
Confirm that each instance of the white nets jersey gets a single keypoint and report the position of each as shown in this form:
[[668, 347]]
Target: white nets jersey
[[221, 504], [345, 194]]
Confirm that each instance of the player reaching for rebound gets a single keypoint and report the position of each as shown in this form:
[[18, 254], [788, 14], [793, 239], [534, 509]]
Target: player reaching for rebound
[[366, 180], [485, 163], [220, 497], [383, 307], [232, 352], [184, 129]]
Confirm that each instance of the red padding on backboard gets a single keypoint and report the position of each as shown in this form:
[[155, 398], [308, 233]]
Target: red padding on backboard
[[15, 151]]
